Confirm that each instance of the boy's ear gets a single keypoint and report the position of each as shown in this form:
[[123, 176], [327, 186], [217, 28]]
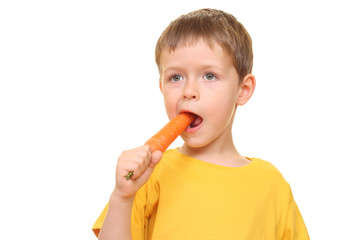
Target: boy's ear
[[246, 89]]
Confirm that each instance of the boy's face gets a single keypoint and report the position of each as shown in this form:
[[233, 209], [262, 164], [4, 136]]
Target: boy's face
[[202, 80]]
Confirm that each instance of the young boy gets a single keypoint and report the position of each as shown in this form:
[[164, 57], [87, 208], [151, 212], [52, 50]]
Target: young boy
[[204, 189]]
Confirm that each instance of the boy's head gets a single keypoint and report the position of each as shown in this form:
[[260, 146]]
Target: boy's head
[[214, 26], [205, 60]]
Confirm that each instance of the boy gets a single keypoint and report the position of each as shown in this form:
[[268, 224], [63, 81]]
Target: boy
[[204, 189]]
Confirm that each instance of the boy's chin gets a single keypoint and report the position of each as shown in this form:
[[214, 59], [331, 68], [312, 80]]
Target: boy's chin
[[193, 144]]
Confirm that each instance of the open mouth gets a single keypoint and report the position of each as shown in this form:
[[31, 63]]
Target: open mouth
[[195, 125], [198, 120]]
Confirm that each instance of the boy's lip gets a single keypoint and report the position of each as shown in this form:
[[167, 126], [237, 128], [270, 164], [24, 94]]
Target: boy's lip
[[188, 111]]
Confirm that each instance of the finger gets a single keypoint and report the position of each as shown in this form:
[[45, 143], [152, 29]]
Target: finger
[[135, 167], [146, 167], [155, 159], [134, 161], [143, 156]]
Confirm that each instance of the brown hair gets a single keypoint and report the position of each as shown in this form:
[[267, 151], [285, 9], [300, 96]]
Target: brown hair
[[211, 25]]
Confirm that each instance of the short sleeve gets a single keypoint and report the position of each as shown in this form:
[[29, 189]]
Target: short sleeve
[[99, 222], [144, 208], [145, 202], [295, 228]]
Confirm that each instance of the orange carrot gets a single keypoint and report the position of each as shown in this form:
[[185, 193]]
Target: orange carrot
[[162, 139]]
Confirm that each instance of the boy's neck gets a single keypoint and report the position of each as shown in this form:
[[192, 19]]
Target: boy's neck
[[225, 154]]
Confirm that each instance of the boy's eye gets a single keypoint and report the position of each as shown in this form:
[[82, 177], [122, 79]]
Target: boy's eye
[[209, 77], [176, 78]]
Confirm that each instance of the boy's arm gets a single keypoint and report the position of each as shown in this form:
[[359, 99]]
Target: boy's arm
[[117, 223], [141, 161]]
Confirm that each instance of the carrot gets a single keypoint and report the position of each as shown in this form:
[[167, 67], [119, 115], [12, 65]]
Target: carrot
[[163, 138]]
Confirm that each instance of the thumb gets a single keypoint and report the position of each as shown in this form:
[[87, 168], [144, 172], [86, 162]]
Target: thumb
[[155, 159]]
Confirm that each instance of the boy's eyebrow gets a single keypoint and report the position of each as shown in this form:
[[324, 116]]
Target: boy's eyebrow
[[166, 69], [171, 69], [204, 66]]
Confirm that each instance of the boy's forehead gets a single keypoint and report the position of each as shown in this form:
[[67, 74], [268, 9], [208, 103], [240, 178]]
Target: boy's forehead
[[198, 44], [200, 53], [193, 41]]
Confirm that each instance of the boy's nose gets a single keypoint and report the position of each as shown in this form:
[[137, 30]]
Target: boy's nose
[[191, 91]]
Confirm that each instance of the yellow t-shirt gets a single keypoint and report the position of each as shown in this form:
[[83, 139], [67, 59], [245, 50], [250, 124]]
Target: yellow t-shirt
[[186, 198]]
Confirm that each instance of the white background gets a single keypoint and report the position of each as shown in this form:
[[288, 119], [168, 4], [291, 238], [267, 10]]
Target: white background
[[79, 85]]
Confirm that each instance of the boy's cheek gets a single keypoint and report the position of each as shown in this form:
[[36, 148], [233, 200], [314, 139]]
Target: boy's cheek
[[170, 107], [161, 86]]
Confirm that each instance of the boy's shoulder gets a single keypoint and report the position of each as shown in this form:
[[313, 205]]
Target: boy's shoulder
[[266, 165], [269, 172]]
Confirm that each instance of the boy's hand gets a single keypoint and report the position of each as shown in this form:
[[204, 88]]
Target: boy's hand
[[141, 161]]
